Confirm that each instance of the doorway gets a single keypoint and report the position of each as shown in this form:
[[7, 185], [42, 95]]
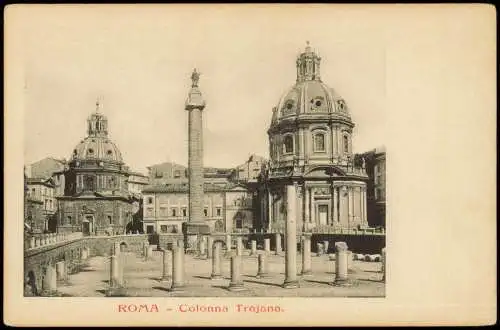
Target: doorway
[[87, 225], [322, 214]]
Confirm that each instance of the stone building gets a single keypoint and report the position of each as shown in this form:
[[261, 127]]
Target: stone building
[[96, 199], [135, 183], [226, 207], [375, 168], [41, 191], [34, 219], [49, 167], [250, 170], [310, 144]]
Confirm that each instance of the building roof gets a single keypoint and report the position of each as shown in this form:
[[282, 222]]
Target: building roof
[[184, 188], [137, 174], [45, 181]]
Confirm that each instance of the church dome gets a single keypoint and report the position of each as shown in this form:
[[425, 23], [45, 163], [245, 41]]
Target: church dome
[[309, 95], [97, 145], [94, 147]]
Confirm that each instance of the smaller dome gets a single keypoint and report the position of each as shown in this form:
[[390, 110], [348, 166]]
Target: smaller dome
[[94, 147]]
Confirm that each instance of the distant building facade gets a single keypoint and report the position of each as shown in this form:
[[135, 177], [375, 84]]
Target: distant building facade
[[49, 167], [227, 207], [375, 168], [136, 183], [42, 191], [96, 200], [250, 170]]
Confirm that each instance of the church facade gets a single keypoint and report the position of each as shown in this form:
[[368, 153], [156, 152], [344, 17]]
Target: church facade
[[310, 145], [96, 199]]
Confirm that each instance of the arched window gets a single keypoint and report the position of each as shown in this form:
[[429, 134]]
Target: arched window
[[319, 142], [288, 144], [346, 144]]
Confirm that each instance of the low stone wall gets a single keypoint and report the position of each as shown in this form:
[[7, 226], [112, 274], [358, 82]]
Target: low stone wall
[[366, 244]]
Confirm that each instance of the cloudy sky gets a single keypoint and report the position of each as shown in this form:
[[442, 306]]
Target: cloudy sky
[[138, 62]]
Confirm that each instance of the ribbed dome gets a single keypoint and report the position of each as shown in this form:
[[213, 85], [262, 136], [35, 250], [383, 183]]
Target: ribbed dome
[[96, 147], [310, 97]]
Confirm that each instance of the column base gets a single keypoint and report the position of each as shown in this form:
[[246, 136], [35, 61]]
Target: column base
[[236, 287], [341, 282], [291, 284], [262, 275], [306, 273], [116, 292], [216, 277], [177, 288], [51, 293], [165, 278]]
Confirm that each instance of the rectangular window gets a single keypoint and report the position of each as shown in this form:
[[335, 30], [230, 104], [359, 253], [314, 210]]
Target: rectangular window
[[184, 212], [164, 228], [68, 219], [174, 212], [150, 200], [163, 211], [218, 211], [110, 220], [205, 212]]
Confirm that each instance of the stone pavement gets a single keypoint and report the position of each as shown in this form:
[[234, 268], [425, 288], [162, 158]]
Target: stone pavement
[[142, 278]]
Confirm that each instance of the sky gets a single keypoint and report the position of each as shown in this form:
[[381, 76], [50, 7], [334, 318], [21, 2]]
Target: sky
[[138, 62]]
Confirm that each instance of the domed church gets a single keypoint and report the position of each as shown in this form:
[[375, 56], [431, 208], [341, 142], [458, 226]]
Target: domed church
[[310, 142], [96, 199]]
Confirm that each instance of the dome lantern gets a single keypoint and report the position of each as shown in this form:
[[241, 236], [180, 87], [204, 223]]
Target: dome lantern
[[308, 65], [97, 123]]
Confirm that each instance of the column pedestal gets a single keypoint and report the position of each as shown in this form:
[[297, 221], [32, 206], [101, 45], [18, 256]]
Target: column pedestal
[[262, 265], [306, 255], [210, 246], [278, 244], [267, 245], [236, 283], [291, 239], [253, 251], [216, 261], [115, 282], [61, 271], [239, 246], [341, 265], [49, 285], [177, 269], [165, 272]]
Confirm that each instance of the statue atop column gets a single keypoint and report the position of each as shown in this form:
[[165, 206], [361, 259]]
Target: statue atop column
[[195, 77]]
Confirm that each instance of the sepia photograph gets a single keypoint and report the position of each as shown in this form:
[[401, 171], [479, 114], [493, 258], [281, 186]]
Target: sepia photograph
[[232, 153]]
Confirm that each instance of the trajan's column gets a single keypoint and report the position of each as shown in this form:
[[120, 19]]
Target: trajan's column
[[195, 104]]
